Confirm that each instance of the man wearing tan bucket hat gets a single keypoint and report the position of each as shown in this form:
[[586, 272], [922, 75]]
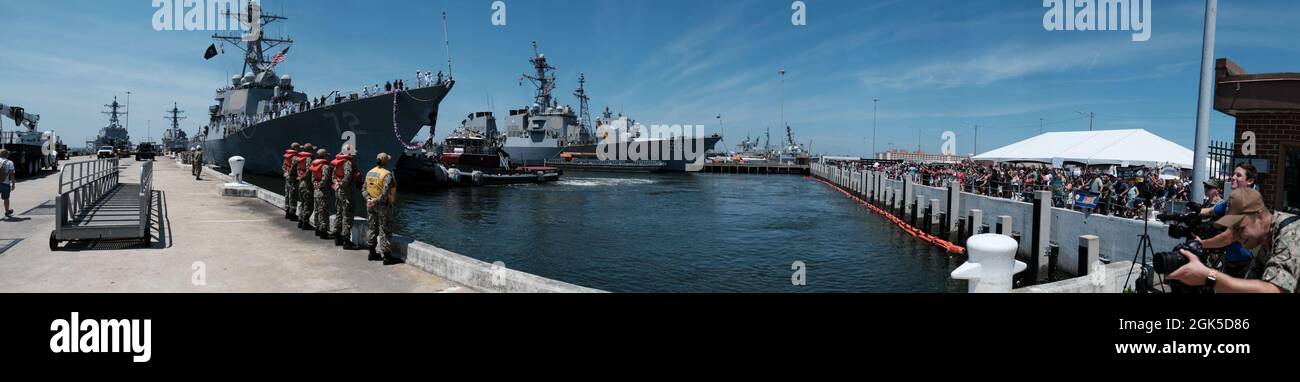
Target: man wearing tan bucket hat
[[1274, 267]]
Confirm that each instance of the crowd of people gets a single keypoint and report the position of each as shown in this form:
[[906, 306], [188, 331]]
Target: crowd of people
[[1129, 194]]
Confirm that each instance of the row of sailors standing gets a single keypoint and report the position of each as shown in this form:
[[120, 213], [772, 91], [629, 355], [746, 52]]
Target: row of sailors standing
[[312, 180]]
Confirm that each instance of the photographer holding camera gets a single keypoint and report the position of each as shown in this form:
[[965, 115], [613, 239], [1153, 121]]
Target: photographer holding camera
[[1275, 266], [1237, 257]]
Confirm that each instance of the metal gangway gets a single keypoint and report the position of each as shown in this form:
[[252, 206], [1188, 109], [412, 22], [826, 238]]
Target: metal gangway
[[94, 204]]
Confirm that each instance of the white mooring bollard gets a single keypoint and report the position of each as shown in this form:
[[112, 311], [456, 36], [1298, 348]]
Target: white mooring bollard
[[991, 264], [237, 168], [237, 188]]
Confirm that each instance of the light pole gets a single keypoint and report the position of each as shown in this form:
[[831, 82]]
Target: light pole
[[977, 141], [875, 110], [1040, 126], [128, 112], [782, 73], [1202, 152], [1092, 119]]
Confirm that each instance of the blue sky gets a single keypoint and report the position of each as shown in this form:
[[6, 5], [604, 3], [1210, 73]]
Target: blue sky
[[935, 65]]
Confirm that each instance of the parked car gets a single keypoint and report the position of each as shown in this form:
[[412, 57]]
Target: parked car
[[106, 152]]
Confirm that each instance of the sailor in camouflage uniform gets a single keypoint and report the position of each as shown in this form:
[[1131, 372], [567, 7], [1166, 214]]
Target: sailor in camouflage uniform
[[291, 182], [322, 192], [380, 192], [196, 162], [306, 197], [345, 176], [1273, 268]]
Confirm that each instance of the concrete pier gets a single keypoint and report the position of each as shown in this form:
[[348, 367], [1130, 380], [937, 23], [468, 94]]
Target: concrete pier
[[203, 242]]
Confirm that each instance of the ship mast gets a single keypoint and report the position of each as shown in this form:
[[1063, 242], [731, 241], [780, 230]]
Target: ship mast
[[255, 44], [544, 79], [113, 114], [175, 117], [789, 136], [581, 93], [767, 143]]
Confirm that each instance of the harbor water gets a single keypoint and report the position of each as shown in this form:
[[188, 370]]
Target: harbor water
[[677, 233]]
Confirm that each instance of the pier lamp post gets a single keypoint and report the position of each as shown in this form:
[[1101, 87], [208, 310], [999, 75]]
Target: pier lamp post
[[782, 73], [128, 112], [1092, 119], [1206, 96], [875, 110]]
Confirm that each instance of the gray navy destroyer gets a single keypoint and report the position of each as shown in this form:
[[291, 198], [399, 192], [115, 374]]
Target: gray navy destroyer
[[113, 134], [547, 133], [543, 130], [260, 114]]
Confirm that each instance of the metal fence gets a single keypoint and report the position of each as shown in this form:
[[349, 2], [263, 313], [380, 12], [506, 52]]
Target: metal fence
[[1221, 158]]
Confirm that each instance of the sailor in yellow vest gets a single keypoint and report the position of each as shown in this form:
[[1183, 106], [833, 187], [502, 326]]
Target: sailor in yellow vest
[[380, 193]]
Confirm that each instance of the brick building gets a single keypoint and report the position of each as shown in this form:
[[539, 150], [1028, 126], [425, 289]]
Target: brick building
[[1268, 105]]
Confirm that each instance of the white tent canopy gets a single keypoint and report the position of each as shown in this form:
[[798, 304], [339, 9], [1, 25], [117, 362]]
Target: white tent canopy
[[1115, 147]]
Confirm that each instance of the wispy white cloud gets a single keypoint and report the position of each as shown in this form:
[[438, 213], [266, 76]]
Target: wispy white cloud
[[1001, 64]]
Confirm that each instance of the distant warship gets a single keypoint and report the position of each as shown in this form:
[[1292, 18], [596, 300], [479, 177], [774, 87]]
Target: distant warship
[[113, 134], [174, 139]]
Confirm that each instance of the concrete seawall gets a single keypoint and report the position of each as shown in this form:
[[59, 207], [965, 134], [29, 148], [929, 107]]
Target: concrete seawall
[[1118, 237], [468, 271]]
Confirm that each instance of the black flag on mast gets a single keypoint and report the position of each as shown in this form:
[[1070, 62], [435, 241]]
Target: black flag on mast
[[211, 52]]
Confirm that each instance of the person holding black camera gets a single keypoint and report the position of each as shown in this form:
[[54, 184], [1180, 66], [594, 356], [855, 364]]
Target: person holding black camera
[[1237, 257], [1273, 269]]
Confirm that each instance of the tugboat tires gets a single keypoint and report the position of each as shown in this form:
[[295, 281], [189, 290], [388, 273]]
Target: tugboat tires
[[453, 175], [476, 177]]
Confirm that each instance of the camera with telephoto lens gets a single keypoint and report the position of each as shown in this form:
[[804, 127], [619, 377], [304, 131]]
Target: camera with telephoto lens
[[1189, 225], [1167, 262]]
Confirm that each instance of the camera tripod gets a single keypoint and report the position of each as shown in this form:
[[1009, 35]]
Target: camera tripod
[[1144, 281]]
